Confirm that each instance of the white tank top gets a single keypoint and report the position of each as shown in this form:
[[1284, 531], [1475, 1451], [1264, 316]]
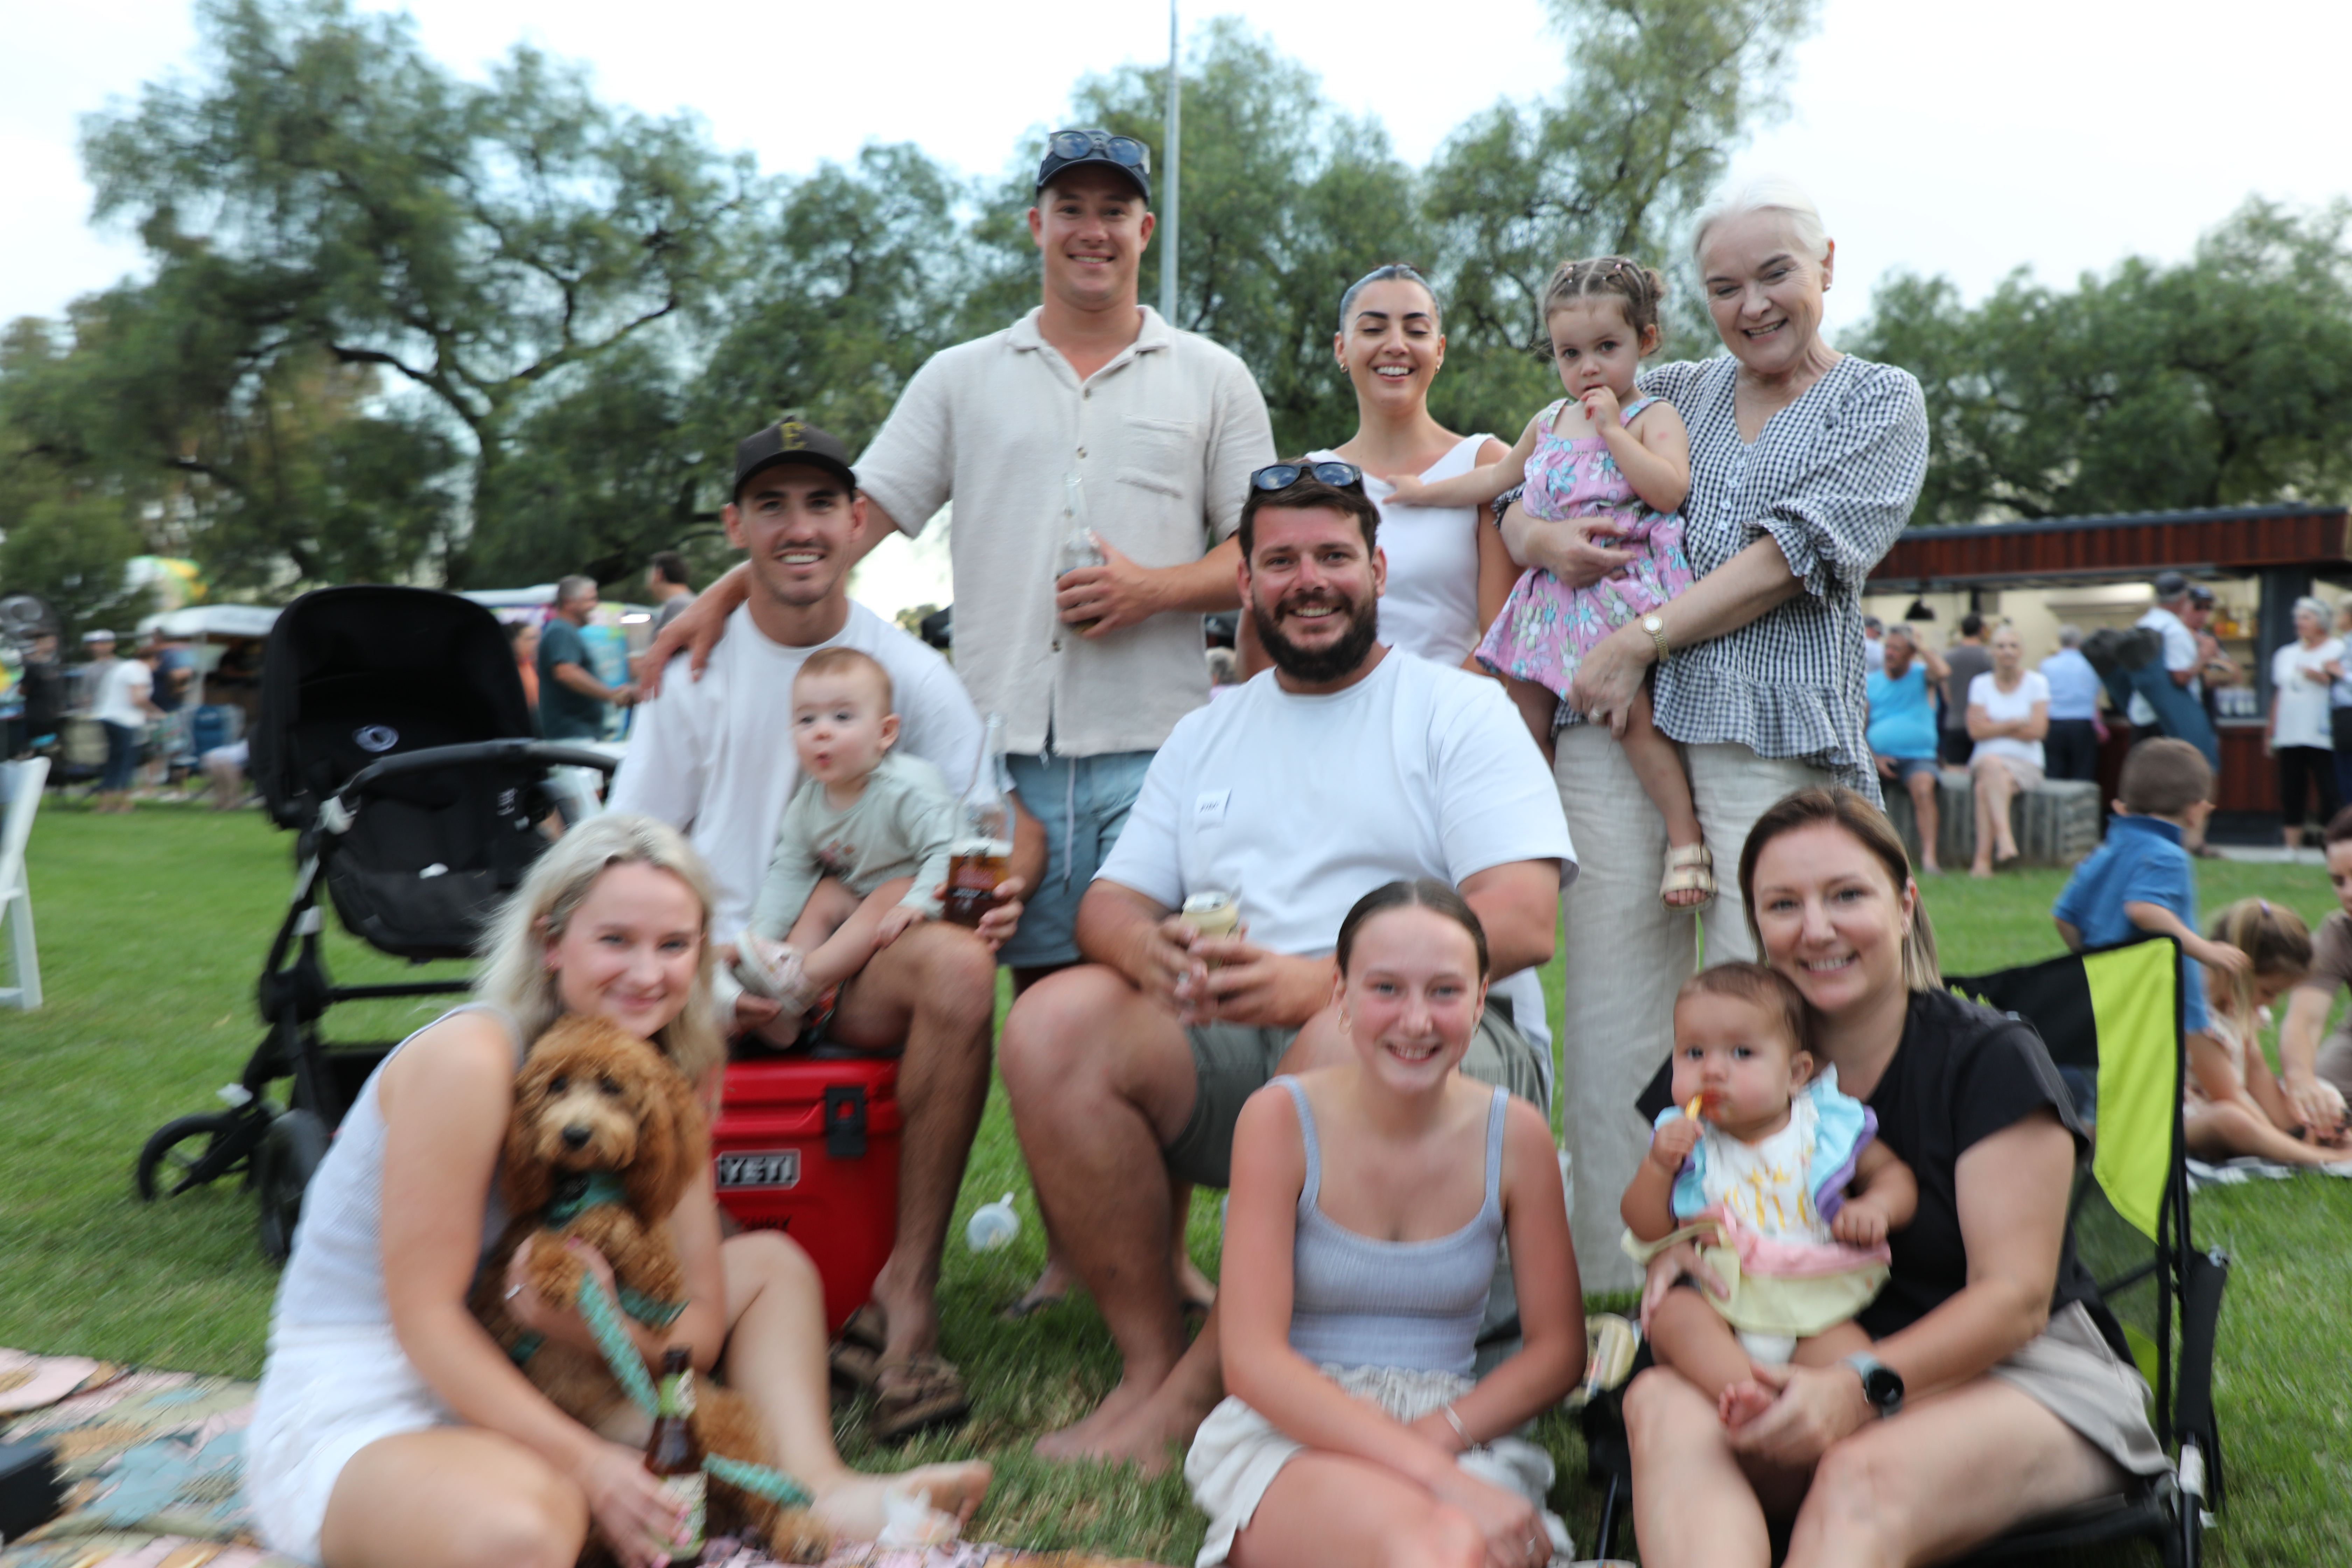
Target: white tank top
[[334, 1275], [1431, 607]]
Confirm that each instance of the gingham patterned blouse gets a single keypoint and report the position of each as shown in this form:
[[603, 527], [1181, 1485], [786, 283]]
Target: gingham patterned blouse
[[1832, 478]]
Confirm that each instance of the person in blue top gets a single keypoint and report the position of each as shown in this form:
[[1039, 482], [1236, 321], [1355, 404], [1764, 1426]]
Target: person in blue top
[[2070, 748], [2141, 879], [1901, 731]]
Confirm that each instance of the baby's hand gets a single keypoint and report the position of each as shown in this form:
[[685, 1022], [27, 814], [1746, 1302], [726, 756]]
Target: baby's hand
[[1860, 1223], [1410, 492], [1600, 406], [1673, 1143], [894, 920]]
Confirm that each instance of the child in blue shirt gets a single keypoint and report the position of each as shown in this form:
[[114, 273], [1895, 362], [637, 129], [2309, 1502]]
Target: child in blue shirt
[[2141, 881]]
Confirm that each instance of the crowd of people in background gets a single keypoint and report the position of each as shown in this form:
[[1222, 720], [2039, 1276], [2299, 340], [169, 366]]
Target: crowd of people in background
[[2012, 727]]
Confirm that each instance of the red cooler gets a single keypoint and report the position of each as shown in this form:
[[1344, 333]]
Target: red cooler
[[810, 1147]]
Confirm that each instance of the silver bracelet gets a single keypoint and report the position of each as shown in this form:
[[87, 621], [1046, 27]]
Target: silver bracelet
[[1455, 1421]]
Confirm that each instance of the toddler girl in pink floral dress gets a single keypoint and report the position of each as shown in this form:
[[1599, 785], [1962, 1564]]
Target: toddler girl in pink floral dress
[[1604, 451]]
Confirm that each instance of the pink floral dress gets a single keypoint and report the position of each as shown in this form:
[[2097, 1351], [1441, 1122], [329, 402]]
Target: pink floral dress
[[1546, 627]]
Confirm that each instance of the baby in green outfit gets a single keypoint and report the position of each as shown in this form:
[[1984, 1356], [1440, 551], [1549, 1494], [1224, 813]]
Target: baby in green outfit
[[863, 847]]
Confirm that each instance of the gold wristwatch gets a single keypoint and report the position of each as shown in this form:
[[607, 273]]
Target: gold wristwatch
[[1656, 627]]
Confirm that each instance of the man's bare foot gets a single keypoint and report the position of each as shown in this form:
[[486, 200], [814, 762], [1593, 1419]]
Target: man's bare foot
[[1743, 1402], [1982, 872], [912, 1316], [851, 1503], [1078, 1440], [1151, 1435]]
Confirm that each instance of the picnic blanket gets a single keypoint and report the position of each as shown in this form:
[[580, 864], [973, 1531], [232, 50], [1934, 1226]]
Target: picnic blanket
[[152, 1463]]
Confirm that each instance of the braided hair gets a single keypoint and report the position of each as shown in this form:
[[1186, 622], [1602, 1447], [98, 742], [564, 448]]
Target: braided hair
[[1639, 289]]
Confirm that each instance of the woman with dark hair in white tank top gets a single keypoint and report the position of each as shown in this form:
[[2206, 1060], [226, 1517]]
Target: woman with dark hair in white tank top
[[1369, 1200], [390, 1428]]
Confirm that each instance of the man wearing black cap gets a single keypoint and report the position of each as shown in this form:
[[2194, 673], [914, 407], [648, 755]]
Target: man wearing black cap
[[1092, 416], [714, 758]]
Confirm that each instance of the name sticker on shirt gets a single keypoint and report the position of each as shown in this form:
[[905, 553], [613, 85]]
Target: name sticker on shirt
[[1209, 808]]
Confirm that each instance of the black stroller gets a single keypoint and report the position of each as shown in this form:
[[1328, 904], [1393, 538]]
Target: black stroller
[[393, 737]]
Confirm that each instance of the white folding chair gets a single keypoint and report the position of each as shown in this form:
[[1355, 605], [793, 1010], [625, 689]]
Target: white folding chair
[[25, 782]]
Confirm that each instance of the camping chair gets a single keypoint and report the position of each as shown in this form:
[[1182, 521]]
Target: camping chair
[[2113, 1012], [24, 798]]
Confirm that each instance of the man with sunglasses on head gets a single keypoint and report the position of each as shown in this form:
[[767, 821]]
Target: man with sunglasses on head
[[1347, 766], [1093, 415]]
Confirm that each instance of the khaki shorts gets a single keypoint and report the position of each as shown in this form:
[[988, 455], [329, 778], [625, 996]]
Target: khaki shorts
[[2071, 1370], [1231, 1061]]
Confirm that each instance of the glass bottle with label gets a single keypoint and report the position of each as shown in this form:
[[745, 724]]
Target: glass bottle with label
[[674, 1454], [1080, 547], [982, 856]]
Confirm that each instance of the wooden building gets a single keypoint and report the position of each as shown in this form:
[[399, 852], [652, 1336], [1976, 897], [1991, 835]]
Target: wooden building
[[2280, 553]]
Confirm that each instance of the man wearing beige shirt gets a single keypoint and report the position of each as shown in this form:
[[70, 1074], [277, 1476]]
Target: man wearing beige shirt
[[1090, 413]]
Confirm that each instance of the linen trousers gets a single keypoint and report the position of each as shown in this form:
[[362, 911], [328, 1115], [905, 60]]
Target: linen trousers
[[1625, 954]]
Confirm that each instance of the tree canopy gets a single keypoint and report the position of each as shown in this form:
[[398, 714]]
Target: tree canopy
[[2226, 379], [404, 324]]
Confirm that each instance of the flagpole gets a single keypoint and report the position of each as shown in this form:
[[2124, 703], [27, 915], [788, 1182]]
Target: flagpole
[[1174, 139]]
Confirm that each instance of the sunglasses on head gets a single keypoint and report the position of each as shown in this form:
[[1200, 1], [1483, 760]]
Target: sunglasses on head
[[1124, 151], [1282, 476]]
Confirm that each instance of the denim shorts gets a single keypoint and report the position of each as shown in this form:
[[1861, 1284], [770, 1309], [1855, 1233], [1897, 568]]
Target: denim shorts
[[1082, 803], [1908, 768]]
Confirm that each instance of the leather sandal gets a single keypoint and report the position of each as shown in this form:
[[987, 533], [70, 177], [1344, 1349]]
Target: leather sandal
[[856, 1359], [924, 1393], [1690, 868]]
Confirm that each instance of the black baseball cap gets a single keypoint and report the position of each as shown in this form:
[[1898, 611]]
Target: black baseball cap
[[792, 441], [1069, 149]]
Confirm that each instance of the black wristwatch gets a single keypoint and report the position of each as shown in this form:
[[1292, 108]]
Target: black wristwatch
[[1880, 1384]]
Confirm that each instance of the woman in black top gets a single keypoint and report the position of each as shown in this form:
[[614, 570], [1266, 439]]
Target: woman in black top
[[2015, 1396]]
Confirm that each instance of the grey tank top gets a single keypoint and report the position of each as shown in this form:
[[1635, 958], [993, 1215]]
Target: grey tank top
[[334, 1277], [1356, 1302]]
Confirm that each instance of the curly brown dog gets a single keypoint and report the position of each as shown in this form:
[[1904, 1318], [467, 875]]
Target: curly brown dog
[[605, 1138]]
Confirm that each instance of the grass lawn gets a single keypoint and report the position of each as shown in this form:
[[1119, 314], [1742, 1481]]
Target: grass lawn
[[152, 928]]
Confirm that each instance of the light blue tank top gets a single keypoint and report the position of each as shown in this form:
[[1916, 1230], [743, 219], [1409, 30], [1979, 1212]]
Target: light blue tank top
[[334, 1277], [1356, 1302]]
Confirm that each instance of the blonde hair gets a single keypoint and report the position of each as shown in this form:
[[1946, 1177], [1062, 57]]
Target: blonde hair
[[514, 973], [2273, 936]]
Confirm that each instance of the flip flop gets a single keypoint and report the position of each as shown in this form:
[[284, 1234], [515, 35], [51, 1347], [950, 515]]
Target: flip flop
[[856, 1356], [1031, 1302], [924, 1393]]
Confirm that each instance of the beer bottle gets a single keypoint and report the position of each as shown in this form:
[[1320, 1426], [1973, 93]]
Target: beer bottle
[[981, 854], [674, 1455]]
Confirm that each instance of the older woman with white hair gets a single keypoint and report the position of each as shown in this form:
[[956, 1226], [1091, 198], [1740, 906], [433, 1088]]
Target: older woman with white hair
[[2302, 736], [1805, 463]]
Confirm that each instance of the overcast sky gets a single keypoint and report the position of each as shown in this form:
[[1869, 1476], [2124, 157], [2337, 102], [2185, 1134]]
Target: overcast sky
[[1964, 137]]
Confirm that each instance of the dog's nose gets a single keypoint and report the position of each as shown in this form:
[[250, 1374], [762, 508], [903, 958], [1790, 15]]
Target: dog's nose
[[575, 1136]]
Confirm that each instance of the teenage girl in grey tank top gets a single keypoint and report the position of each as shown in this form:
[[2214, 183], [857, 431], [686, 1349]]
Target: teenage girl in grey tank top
[[1368, 1199]]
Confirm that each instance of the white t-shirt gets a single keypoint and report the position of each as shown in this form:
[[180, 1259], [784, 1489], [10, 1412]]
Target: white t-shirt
[[1300, 805], [1431, 607], [2004, 706], [714, 758], [123, 686], [2179, 654], [2303, 703]]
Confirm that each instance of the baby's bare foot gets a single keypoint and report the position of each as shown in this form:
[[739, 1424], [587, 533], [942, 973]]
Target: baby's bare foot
[[1743, 1402]]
